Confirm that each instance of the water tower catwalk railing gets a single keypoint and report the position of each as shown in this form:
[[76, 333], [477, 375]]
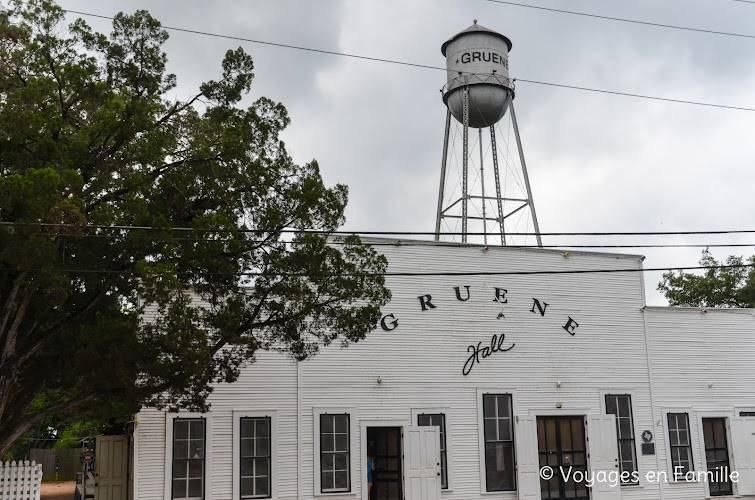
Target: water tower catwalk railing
[[479, 99]]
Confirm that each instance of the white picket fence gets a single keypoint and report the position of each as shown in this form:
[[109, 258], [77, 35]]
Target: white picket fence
[[20, 481]]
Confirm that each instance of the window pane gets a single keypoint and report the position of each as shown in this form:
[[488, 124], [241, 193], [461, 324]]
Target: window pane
[[247, 467], [263, 466], [504, 429], [327, 442], [196, 468], [197, 429], [623, 403], [342, 442], [247, 487], [488, 405], [327, 480], [263, 486], [247, 447], [180, 429], [263, 427], [341, 461], [341, 423], [179, 469], [195, 487], [611, 404], [328, 461], [179, 488], [342, 479], [263, 447], [326, 423], [181, 449], [424, 420], [247, 428], [625, 428], [196, 449]]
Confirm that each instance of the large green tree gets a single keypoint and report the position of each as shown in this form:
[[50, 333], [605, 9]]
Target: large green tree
[[722, 284], [115, 197]]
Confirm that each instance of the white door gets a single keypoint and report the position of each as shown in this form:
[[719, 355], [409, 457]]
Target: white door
[[422, 463], [111, 464], [604, 457], [528, 461], [743, 446]]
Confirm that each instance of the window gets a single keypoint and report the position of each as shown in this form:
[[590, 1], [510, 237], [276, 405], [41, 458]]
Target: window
[[620, 405], [499, 442], [254, 456], [438, 420], [188, 458], [335, 453], [680, 443]]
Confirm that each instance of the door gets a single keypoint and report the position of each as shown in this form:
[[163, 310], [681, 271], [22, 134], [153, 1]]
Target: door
[[561, 447], [743, 444], [528, 477], [384, 445], [111, 467], [422, 464], [717, 456], [603, 448]]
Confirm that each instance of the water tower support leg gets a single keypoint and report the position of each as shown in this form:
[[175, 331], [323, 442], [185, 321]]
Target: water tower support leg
[[526, 177], [465, 163], [482, 186], [494, 148], [443, 176]]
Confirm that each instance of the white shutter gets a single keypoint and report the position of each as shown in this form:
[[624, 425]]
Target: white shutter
[[422, 463], [604, 457], [527, 460], [743, 446]]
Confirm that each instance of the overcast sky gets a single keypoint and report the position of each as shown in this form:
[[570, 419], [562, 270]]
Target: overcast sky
[[596, 162]]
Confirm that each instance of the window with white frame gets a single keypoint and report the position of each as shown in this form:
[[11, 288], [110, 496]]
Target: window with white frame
[[500, 470], [255, 457], [188, 459], [680, 444], [620, 405], [335, 453], [438, 420]]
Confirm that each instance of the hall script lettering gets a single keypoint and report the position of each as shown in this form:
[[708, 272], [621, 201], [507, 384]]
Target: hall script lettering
[[477, 353]]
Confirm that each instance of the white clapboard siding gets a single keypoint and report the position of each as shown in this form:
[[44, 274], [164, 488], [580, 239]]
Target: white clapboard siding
[[418, 366], [20, 480], [702, 362]]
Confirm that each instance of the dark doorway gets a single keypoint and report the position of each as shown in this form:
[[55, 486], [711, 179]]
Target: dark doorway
[[561, 446], [717, 456], [384, 444]]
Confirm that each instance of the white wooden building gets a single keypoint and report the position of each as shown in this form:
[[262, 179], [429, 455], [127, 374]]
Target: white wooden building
[[474, 383]]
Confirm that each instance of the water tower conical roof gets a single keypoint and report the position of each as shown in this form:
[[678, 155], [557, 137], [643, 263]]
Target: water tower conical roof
[[475, 28]]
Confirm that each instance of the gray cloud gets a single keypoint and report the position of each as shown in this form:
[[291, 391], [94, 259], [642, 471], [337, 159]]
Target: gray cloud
[[596, 162]]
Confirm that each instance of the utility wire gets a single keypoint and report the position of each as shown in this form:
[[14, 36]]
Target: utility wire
[[624, 20], [427, 243], [426, 66], [404, 274], [380, 233]]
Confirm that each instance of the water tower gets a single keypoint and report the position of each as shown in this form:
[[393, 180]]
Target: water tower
[[478, 92]]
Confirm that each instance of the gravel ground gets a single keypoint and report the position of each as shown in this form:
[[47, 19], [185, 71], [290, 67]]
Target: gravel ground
[[58, 490]]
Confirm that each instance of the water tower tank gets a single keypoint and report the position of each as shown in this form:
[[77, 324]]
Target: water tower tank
[[479, 59]]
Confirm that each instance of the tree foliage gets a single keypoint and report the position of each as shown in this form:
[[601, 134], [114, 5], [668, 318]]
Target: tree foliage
[[115, 198], [716, 287]]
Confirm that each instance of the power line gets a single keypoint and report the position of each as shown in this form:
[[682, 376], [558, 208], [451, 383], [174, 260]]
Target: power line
[[426, 66], [404, 274], [624, 20], [379, 233], [411, 243]]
